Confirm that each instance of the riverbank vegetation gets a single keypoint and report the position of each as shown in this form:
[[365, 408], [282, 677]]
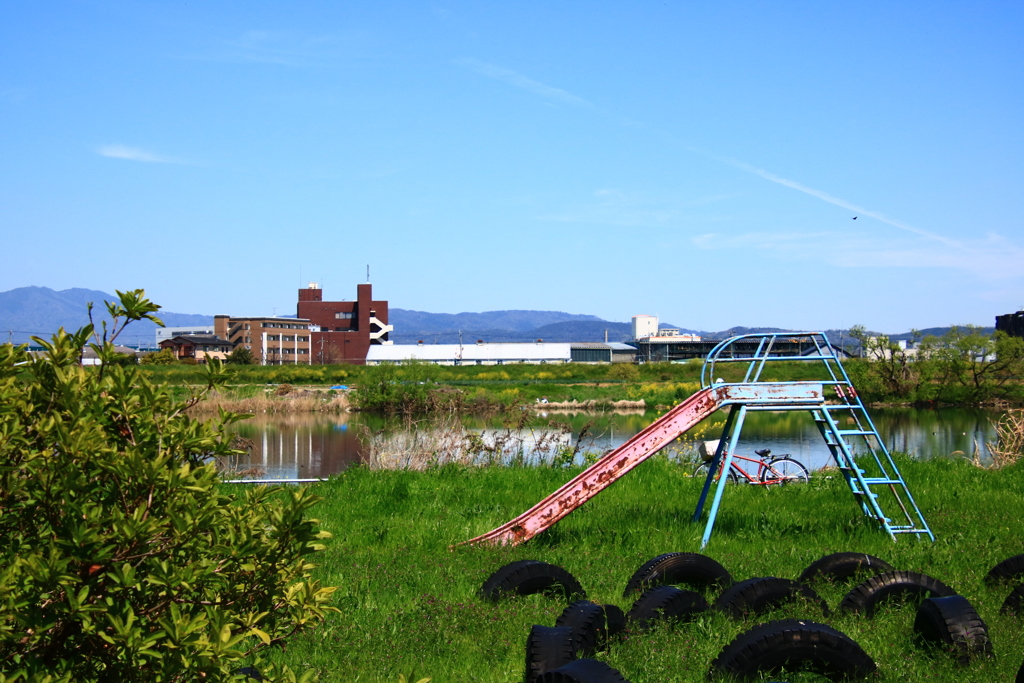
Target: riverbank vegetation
[[124, 558], [407, 591]]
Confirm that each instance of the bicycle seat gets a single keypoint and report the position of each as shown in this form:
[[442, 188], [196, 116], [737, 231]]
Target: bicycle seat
[[764, 453]]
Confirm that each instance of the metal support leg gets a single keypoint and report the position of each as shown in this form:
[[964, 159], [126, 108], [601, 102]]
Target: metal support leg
[[731, 442], [713, 465]]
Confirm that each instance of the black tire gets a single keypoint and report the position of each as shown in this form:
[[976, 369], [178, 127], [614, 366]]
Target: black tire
[[785, 470], [526, 577], [865, 598], [615, 619], [666, 603], [1010, 569], [795, 645], [588, 624], [757, 595], [691, 569], [583, 671], [840, 566], [701, 472], [547, 648], [953, 624], [1014, 603]]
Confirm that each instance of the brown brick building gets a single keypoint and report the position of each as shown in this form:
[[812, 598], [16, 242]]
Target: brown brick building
[[343, 331]]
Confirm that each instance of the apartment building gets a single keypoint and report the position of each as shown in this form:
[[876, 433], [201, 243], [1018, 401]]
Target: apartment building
[[273, 341]]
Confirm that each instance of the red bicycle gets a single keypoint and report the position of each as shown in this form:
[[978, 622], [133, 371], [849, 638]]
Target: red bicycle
[[771, 469]]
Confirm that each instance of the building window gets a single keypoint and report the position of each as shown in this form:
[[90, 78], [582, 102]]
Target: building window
[[343, 315]]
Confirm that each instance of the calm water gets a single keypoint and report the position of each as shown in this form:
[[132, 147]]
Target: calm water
[[315, 446]]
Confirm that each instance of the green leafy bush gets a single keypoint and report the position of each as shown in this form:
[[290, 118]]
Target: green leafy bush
[[161, 357], [124, 558]]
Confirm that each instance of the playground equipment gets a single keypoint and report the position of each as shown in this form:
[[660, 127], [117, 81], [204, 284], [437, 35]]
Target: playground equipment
[[743, 374]]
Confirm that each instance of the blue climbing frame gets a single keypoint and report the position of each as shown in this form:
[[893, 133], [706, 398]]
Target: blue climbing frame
[[752, 361]]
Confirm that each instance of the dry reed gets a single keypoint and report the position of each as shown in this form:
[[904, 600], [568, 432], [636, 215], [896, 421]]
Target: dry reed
[[293, 402], [421, 444], [1009, 445]]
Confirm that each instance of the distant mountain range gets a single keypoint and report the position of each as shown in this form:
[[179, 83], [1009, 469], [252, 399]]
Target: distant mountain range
[[40, 311]]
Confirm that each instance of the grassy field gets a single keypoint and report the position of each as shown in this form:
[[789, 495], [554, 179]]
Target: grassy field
[[408, 602]]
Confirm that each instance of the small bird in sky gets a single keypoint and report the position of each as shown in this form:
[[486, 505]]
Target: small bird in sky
[[854, 218]]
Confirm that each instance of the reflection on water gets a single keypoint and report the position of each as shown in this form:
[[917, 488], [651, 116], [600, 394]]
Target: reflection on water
[[301, 446]]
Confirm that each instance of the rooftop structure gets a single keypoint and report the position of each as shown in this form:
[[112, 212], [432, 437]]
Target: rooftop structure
[[480, 353], [344, 331]]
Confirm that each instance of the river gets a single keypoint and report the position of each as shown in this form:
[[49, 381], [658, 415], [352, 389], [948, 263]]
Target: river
[[313, 445]]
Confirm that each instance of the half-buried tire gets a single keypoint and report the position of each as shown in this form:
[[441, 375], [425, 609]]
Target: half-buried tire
[[589, 626], [666, 603], [690, 569], [1014, 603], [547, 648], [757, 595], [865, 598], [841, 566], [1009, 570], [953, 624], [583, 671], [526, 577], [793, 645], [615, 618]]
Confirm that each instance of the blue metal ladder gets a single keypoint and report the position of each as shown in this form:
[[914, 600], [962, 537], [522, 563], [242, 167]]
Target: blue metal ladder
[[844, 423]]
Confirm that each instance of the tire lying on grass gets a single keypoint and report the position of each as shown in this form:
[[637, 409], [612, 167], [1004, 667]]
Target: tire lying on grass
[[953, 624], [866, 597], [547, 648], [666, 603], [841, 566], [615, 618], [1014, 603], [757, 595], [526, 577], [589, 624], [691, 569], [1010, 569], [793, 645], [583, 671]]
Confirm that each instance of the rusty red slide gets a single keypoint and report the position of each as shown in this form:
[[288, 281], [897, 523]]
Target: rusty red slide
[[613, 465], [605, 471]]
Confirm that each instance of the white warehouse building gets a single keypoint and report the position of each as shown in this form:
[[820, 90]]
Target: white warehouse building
[[481, 353]]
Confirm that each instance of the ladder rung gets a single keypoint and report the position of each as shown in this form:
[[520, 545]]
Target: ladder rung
[[856, 432], [881, 480]]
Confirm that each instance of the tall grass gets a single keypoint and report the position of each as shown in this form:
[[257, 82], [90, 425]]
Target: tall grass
[[408, 597]]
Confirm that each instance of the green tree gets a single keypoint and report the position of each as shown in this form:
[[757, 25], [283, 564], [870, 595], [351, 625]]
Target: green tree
[[161, 357], [124, 558], [892, 369], [978, 364], [241, 355]]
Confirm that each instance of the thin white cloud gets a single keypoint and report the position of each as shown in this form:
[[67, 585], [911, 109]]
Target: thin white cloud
[[133, 154], [520, 81], [612, 206], [992, 258], [288, 48]]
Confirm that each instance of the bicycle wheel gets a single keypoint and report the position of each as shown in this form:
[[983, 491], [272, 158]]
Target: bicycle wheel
[[784, 470], [702, 472]]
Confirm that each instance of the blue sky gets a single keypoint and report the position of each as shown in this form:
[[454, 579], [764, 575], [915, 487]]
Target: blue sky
[[698, 161]]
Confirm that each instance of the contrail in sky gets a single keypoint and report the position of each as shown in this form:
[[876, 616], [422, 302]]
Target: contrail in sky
[[826, 197]]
